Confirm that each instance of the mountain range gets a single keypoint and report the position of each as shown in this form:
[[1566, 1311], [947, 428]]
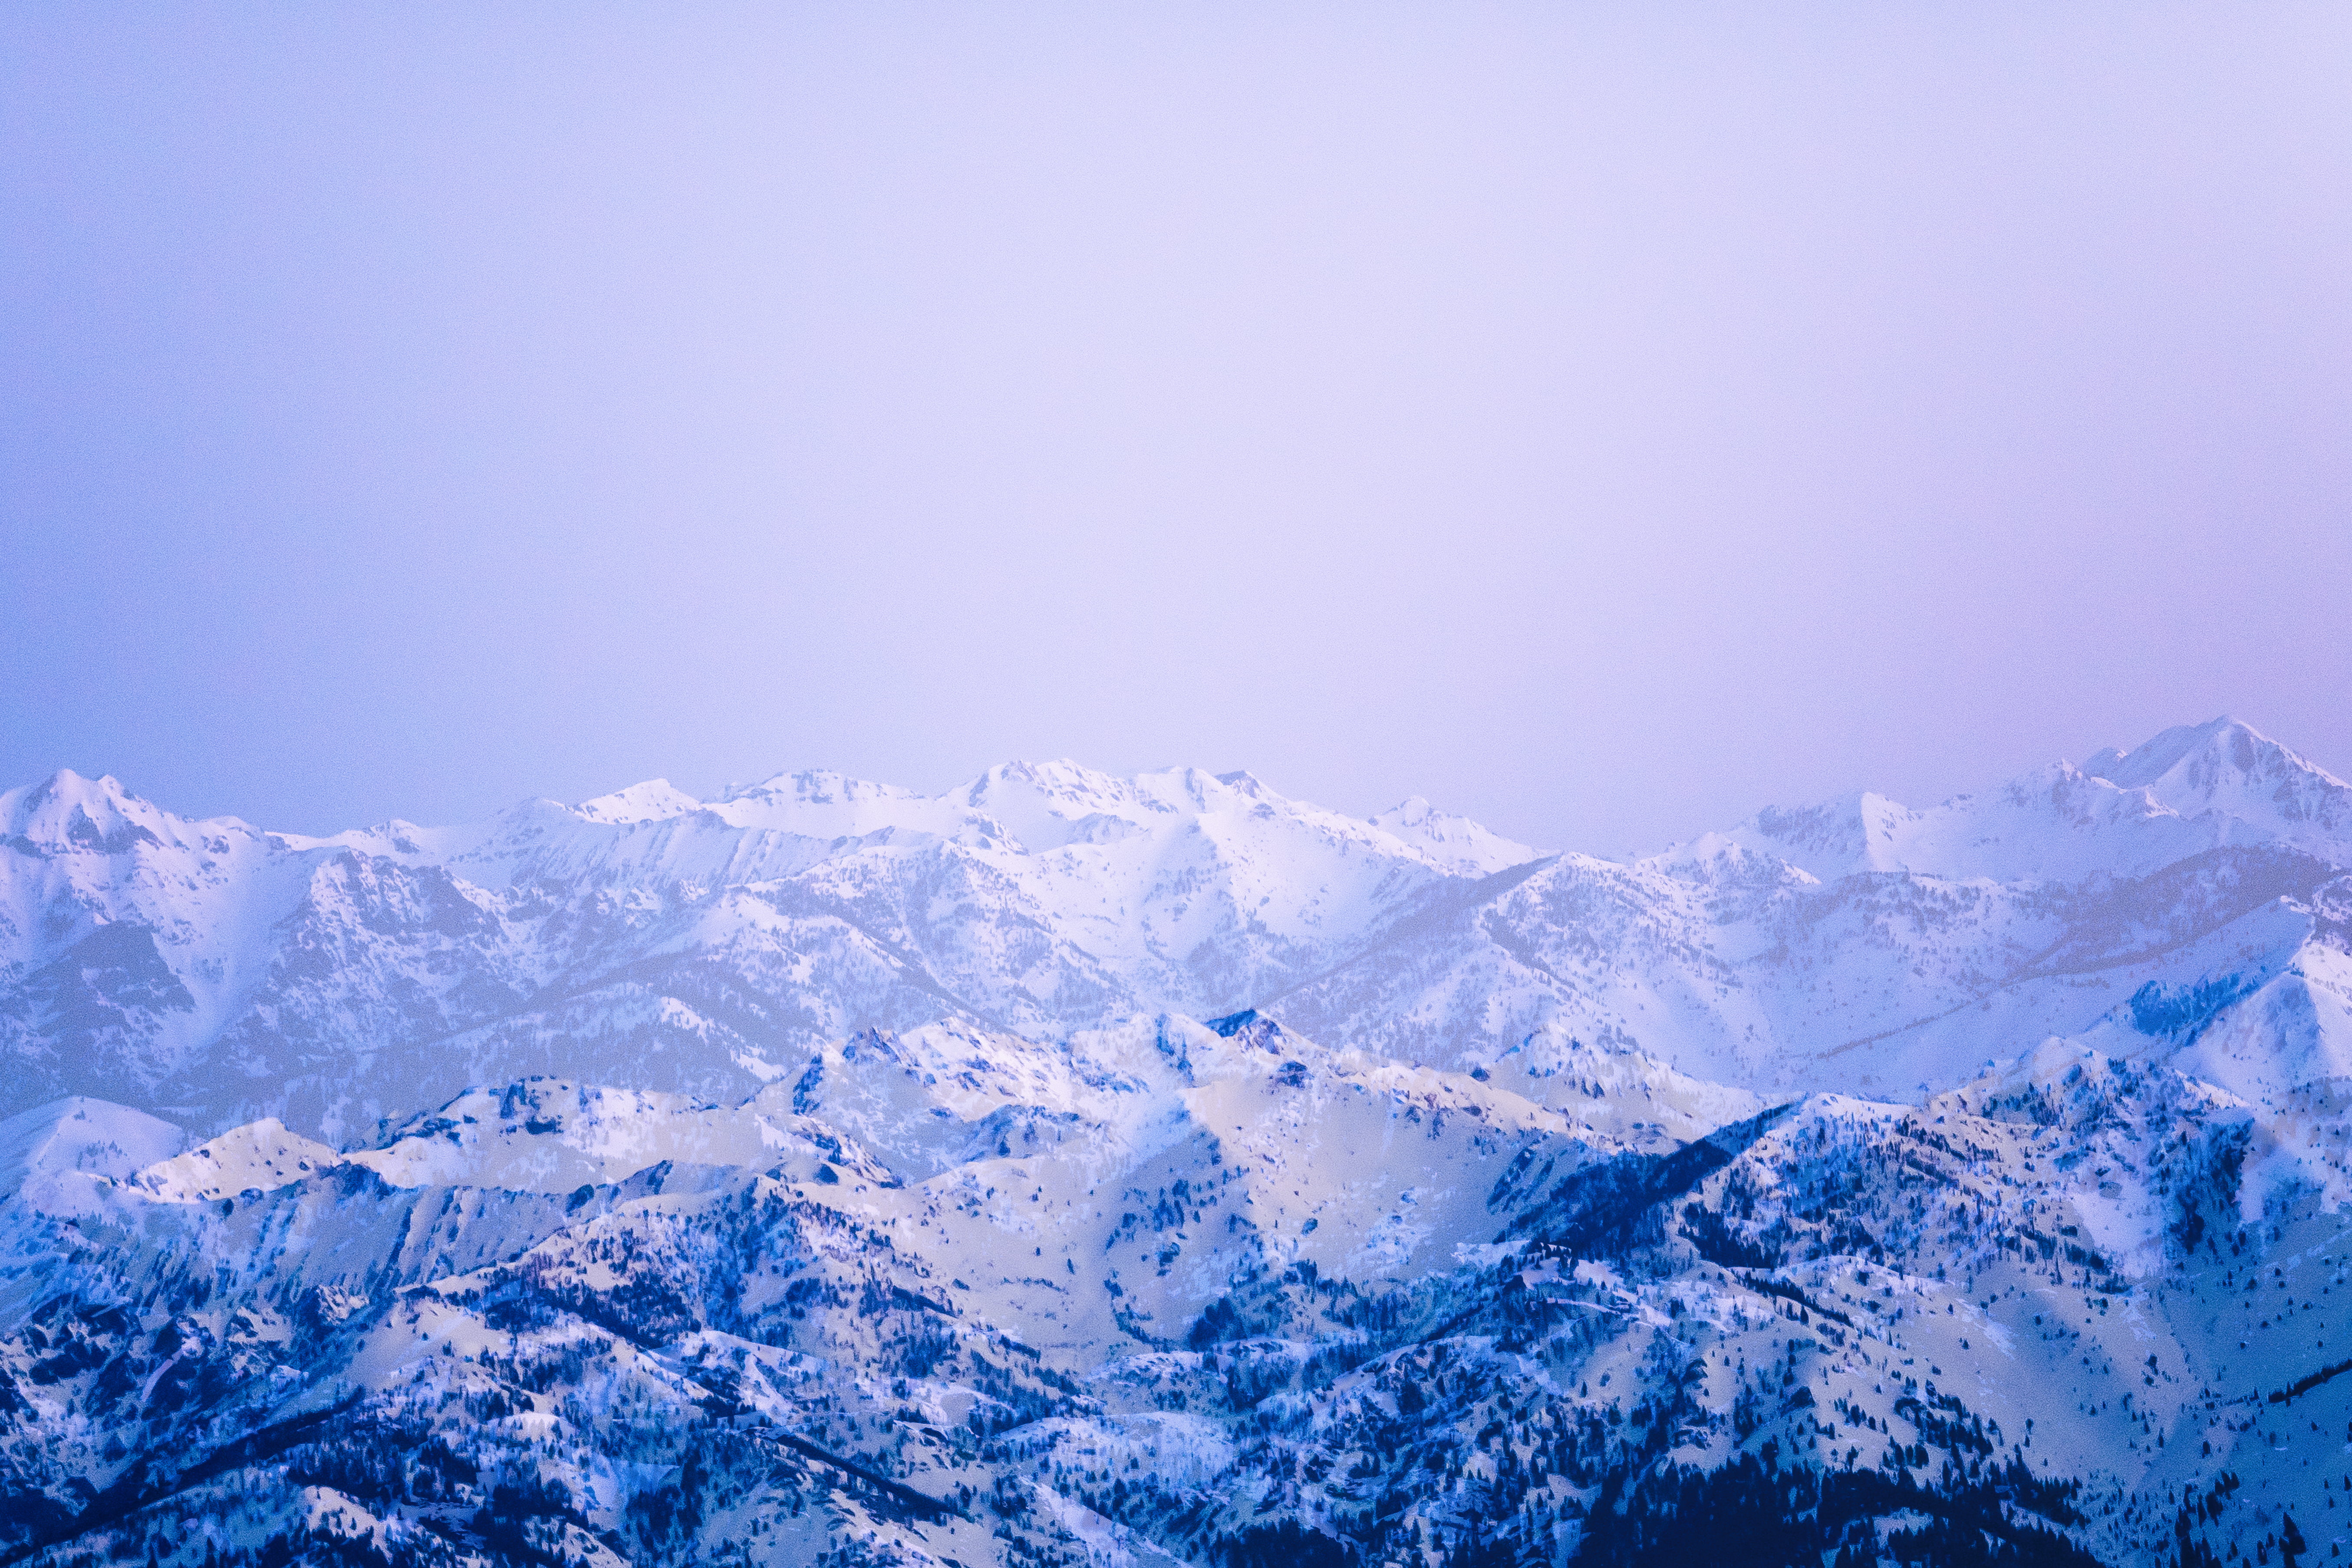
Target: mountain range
[[1072, 1168]]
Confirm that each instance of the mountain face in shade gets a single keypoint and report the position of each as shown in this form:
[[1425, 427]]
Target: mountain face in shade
[[1071, 1169]]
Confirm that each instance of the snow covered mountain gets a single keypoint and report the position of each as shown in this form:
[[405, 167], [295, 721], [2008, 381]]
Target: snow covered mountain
[[222, 972], [645, 938], [831, 1174]]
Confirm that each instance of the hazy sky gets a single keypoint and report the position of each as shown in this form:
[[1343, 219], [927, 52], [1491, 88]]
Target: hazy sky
[[1602, 419]]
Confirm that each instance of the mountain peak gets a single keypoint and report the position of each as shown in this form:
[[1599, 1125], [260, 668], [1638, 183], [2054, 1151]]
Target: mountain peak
[[1060, 781], [43, 1150], [2208, 748], [2144, 764], [1457, 844], [67, 789], [1855, 832], [1244, 782], [814, 786], [2233, 768], [652, 801], [68, 813]]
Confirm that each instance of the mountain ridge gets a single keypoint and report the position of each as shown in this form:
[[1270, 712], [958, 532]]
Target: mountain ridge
[[1074, 1172], [715, 942]]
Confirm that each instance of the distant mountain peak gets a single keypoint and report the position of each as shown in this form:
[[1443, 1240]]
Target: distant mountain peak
[[2231, 769], [66, 789], [821, 786], [67, 811], [2192, 788], [1459, 845], [2212, 749], [652, 801], [2151, 759]]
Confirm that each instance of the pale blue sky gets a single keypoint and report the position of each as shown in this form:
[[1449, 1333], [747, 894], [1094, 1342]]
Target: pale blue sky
[[1602, 419]]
